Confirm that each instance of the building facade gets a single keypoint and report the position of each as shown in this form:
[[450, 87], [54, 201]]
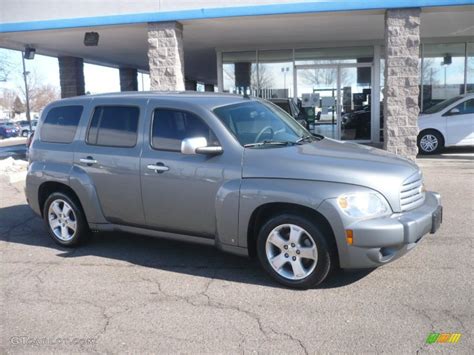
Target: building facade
[[358, 70]]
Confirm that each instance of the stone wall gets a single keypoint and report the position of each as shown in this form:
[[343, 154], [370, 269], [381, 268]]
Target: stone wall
[[71, 76], [166, 56], [402, 53]]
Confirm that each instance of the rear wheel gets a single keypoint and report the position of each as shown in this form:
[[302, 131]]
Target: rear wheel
[[65, 220], [430, 142], [295, 251]]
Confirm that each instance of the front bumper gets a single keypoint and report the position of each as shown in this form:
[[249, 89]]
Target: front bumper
[[381, 240]]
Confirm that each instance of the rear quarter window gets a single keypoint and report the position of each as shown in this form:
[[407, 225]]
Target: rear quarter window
[[60, 124]]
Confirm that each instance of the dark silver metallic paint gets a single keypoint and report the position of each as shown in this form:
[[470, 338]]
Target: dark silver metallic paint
[[210, 199]]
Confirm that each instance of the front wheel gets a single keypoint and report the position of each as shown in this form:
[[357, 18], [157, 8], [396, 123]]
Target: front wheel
[[65, 220], [295, 251], [430, 142]]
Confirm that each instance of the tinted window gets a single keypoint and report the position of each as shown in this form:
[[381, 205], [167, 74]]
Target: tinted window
[[170, 127], [441, 105], [60, 124], [465, 107], [256, 122], [114, 126]]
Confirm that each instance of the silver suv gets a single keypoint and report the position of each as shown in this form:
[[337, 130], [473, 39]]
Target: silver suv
[[224, 170]]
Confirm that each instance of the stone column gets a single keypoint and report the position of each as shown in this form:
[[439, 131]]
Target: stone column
[[71, 76], [128, 79], [402, 53], [166, 56]]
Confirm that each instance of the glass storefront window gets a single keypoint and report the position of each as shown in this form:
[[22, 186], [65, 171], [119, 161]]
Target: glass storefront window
[[470, 67], [442, 72], [334, 55], [239, 72], [356, 103], [275, 74]]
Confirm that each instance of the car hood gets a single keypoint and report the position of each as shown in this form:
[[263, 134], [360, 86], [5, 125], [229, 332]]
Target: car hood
[[333, 161]]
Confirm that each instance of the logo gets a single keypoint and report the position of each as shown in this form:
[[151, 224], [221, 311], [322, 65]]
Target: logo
[[443, 338]]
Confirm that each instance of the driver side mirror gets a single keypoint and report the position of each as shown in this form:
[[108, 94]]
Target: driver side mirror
[[454, 111], [198, 145]]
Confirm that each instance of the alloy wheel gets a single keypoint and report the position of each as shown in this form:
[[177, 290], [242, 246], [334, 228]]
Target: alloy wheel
[[291, 251], [62, 220], [429, 143]]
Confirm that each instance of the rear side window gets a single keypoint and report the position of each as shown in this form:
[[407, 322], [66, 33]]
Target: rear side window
[[114, 126], [60, 124], [170, 127]]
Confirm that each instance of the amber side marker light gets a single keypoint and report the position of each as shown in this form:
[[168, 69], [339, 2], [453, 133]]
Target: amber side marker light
[[349, 236]]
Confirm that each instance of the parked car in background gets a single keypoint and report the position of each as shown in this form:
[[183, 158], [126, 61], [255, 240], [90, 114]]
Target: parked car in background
[[225, 170], [9, 130], [360, 122], [289, 106], [446, 124], [25, 127]]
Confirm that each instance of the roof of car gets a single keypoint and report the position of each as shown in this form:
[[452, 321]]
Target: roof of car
[[207, 99]]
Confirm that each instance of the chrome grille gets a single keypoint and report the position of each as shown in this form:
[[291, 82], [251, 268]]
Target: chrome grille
[[412, 193]]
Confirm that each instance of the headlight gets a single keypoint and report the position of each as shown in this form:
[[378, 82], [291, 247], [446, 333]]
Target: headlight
[[363, 204]]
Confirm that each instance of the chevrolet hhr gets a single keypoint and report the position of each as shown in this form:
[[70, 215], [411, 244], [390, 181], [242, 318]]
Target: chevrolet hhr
[[225, 170]]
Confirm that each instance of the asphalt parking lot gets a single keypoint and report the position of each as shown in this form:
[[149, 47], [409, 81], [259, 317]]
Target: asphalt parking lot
[[127, 293]]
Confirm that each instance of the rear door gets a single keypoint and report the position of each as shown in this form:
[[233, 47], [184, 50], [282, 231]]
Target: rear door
[[460, 124], [110, 154]]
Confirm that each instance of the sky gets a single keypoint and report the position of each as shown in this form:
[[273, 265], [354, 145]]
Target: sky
[[98, 79]]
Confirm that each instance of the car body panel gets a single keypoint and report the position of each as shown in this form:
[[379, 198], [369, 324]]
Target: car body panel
[[456, 129], [210, 199], [332, 161], [116, 174]]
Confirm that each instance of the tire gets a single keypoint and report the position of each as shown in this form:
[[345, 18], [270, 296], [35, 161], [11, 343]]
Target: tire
[[24, 134], [68, 227], [430, 142], [274, 242]]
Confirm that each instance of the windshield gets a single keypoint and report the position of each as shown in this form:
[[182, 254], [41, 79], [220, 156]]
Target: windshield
[[256, 123], [441, 105]]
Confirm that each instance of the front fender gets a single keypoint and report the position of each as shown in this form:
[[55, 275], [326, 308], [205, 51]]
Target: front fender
[[255, 193]]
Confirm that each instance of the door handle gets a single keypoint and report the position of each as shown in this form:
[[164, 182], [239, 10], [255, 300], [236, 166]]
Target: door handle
[[158, 168], [89, 161]]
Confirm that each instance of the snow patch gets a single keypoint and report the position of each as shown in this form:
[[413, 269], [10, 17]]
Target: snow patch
[[14, 169]]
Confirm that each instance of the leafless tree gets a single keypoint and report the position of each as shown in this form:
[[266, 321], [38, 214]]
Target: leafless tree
[[6, 65], [39, 94], [262, 79], [429, 71], [325, 77], [7, 98]]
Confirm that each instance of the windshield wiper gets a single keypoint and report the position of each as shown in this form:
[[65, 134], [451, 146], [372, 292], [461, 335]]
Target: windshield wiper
[[268, 142], [310, 138]]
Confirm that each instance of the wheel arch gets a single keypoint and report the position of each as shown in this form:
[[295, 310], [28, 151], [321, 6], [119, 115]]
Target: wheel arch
[[49, 187], [424, 130], [263, 212]]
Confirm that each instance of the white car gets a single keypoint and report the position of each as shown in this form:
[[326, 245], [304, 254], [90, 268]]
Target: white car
[[446, 124]]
